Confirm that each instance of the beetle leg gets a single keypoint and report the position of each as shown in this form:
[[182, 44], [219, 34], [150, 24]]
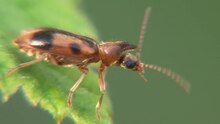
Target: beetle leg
[[84, 71], [102, 89], [9, 72]]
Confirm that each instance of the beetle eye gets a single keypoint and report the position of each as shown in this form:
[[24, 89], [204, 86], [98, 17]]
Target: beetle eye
[[129, 63]]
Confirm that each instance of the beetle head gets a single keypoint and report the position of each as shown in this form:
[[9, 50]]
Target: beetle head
[[130, 61]]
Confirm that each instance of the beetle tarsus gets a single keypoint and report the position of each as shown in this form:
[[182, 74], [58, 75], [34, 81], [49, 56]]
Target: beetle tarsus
[[98, 105]]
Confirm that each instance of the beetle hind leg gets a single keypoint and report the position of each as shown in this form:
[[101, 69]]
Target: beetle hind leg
[[23, 65]]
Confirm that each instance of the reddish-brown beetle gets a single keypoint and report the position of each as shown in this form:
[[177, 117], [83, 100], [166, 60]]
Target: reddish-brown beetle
[[65, 49]]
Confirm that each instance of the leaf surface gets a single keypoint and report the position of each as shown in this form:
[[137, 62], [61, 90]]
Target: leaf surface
[[44, 84]]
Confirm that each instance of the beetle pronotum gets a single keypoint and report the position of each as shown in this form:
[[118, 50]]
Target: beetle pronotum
[[66, 49]]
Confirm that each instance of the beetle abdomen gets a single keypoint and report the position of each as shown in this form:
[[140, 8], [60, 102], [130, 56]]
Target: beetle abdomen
[[72, 48]]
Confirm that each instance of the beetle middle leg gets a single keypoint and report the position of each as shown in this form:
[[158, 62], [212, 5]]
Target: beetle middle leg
[[102, 89], [84, 71]]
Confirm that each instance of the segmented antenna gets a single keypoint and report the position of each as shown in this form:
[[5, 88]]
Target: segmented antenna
[[174, 76], [142, 76], [143, 28]]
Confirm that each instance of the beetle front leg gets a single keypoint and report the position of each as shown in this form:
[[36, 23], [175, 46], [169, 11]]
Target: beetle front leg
[[84, 71], [102, 89]]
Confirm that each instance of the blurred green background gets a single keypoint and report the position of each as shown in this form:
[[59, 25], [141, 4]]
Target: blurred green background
[[182, 35]]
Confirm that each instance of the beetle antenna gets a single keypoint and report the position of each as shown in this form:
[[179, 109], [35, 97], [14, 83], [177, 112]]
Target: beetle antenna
[[173, 75], [142, 76], [143, 27]]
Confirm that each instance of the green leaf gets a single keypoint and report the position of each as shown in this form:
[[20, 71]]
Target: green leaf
[[44, 84]]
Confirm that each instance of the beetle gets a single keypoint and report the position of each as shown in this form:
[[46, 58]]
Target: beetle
[[63, 48]]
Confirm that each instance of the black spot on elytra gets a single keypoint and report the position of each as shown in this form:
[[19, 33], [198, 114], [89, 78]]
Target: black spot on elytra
[[86, 40], [45, 39], [75, 48]]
